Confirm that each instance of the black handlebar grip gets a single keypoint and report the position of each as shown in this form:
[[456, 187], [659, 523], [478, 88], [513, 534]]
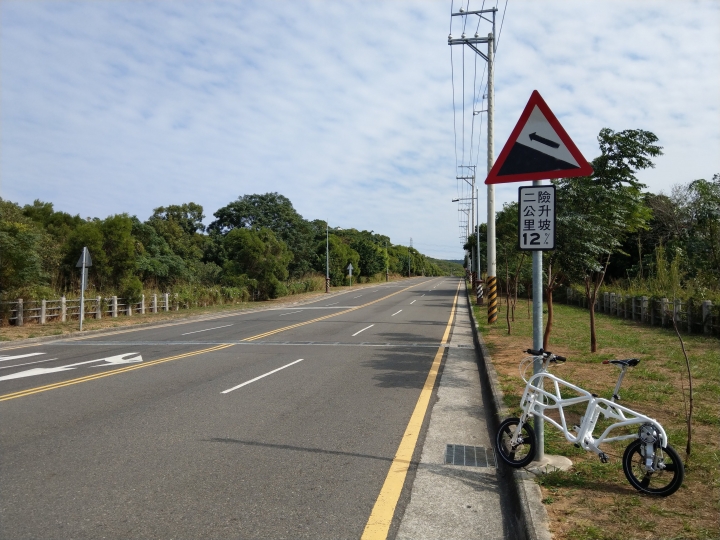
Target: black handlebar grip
[[535, 353], [560, 359]]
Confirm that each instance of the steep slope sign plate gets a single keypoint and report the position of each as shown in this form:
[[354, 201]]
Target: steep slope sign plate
[[538, 149]]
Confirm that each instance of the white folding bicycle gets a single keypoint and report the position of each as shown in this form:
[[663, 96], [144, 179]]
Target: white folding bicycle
[[650, 464]]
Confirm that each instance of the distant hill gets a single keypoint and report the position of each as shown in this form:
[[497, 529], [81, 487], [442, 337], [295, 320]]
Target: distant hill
[[449, 267]]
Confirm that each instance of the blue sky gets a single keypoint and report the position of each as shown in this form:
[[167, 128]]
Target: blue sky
[[345, 107]]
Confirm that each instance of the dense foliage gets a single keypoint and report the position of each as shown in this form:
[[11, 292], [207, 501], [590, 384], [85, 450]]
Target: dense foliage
[[612, 234], [257, 246]]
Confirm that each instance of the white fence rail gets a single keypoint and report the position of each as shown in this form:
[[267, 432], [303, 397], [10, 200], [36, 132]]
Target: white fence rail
[[65, 309]]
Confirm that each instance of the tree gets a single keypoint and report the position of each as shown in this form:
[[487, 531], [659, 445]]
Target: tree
[[180, 226], [20, 244], [596, 213], [275, 212], [259, 255]]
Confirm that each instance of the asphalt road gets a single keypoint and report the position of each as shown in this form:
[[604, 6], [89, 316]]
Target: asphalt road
[[280, 423]]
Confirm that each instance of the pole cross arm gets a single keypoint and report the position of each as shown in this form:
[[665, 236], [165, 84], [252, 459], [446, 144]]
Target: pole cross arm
[[469, 42]]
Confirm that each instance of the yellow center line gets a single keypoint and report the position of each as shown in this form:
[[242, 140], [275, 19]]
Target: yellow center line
[[378, 525], [93, 377]]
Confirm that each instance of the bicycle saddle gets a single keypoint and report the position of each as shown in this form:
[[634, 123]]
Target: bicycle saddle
[[632, 362]]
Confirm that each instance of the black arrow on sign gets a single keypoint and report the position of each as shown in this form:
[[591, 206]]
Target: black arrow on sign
[[543, 140]]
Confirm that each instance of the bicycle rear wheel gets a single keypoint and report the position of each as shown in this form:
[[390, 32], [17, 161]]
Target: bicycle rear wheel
[[521, 453], [664, 481]]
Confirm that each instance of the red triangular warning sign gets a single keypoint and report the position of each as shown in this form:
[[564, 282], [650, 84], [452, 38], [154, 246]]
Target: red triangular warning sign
[[538, 149]]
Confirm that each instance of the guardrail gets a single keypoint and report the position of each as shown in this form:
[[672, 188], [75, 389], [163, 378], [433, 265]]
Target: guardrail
[[64, 309]]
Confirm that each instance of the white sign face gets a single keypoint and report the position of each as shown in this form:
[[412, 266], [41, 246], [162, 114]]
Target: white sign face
[[537, 218]]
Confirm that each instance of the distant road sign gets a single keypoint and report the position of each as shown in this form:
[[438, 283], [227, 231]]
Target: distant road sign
[[350, 268], [538, 149], [84, 261], [536, 218]]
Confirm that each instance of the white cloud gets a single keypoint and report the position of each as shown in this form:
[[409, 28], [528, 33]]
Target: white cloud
[[344, 107]]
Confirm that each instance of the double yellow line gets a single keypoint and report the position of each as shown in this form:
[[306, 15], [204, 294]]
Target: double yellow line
[[87, 378]]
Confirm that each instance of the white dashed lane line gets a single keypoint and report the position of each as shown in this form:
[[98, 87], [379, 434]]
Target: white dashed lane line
[[356, 333]]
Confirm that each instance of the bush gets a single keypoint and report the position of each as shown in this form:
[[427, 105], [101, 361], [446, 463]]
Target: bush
[[131, 289]]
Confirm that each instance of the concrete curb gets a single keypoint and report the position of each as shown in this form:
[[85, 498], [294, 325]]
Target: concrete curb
[[528, 515]]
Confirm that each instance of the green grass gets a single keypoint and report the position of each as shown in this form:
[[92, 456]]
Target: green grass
[[656, 388]]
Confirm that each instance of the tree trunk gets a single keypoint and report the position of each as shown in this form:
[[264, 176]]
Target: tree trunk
[[593, 337], [548, 325]]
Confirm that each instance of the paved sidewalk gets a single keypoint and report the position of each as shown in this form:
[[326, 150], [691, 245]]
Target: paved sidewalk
[[455, 501]]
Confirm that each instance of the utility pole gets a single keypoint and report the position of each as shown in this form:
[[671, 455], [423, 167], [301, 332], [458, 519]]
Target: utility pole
[[473, 42], [491, 254], [387, 264], [327, 257]]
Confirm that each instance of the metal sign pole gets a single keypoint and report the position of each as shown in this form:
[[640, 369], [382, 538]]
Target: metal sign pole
[[537, 277]]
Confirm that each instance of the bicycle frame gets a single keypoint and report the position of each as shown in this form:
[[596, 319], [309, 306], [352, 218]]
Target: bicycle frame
[[532, 406]]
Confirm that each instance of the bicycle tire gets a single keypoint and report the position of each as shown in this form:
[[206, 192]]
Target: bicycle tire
[[522, 453], [665, 481]]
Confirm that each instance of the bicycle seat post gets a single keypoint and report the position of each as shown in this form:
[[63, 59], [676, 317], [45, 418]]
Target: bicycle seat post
[[616, 392]]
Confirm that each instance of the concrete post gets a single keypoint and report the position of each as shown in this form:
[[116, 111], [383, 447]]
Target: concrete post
[[114, 306], [142, 305], [98, 307], [688, 309], [19, 315], [677, 306], [663, 311], [652, 312], [707, 316], [167, 301], [154, 303], [644, 309], [43, 310], [613, 303], [177, 302], [606, 302], [63, 309], [632, 306], [128, 308]]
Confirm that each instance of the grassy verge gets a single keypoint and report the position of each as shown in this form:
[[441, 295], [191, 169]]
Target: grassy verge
[[592, 500]]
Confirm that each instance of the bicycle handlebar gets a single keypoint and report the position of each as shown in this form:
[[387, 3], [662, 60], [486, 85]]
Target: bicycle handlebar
[[547, 355]]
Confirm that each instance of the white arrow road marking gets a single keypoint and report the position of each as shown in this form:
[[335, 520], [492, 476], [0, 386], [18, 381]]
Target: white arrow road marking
[[113, 360], [6, 358], [395, 313], [260, 377], [120, 359], [356, 333]]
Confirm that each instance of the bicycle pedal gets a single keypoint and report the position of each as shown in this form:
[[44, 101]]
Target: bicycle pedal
[[603, 457]]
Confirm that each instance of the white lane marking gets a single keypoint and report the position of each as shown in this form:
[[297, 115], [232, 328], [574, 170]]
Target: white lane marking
[[395, 313], [113, 360], [411, 303], [356, 333], [283, 314], [331, 304], [260, 377], [29, 363], [196, 331], [16, 357], [358, 296], [422, 295]]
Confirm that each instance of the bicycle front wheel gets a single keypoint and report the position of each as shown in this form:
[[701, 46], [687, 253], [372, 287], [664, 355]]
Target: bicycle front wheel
[[667, 477], [523, 451]]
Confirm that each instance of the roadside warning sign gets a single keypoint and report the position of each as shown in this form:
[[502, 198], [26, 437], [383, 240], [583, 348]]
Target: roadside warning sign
[[538, 149], [536, 217]]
